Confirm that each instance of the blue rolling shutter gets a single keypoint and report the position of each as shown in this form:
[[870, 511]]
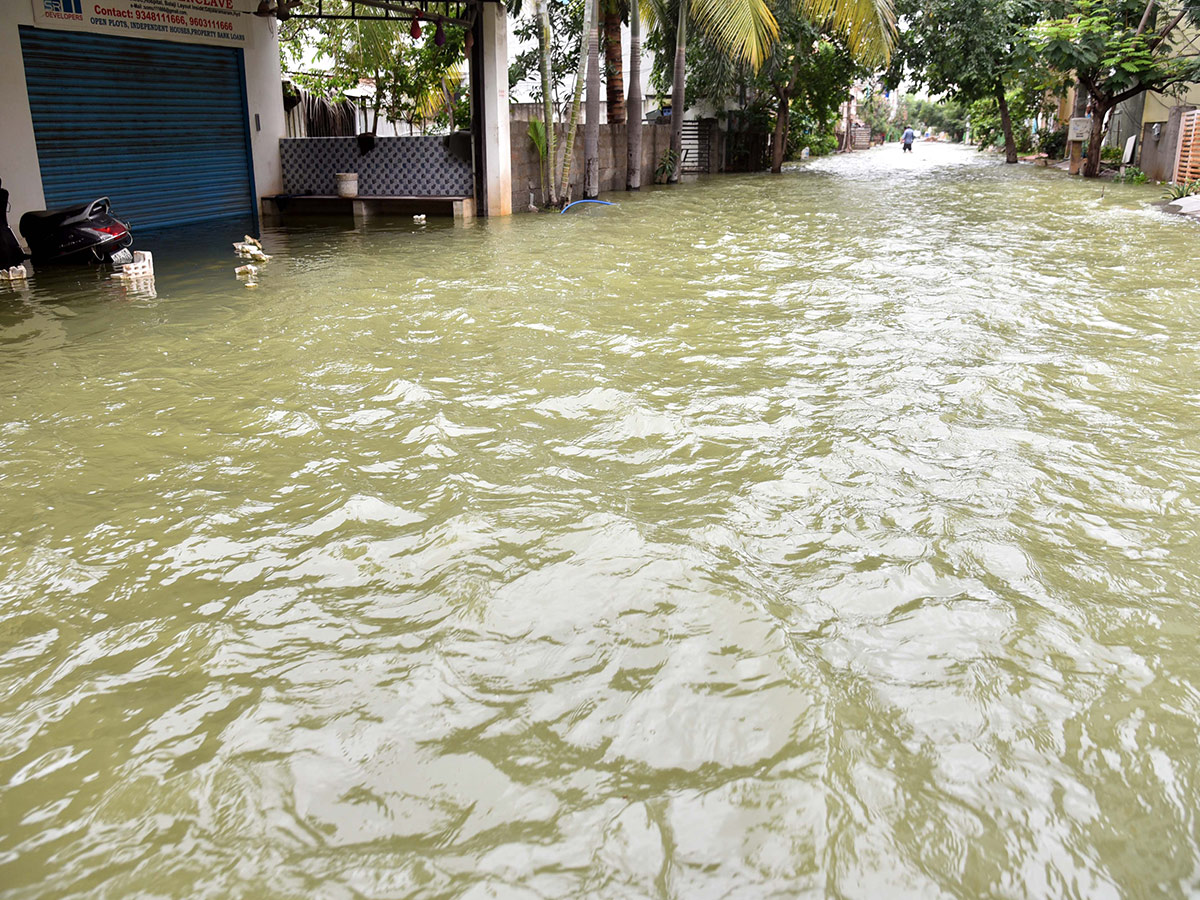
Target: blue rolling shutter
[[159, 127]]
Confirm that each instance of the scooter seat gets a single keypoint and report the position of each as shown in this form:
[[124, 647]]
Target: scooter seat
[[43, 221]]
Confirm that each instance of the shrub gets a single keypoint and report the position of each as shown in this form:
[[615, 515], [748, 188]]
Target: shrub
[[666, 166], [1053, 142], [1181, 190], [1133, 175], [821, 143]]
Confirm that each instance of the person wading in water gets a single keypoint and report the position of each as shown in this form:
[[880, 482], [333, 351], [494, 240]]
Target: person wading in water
[[907, 138]]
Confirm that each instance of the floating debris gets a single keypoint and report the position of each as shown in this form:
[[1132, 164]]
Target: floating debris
[[141, 267], [248, 270], [14, 273], [250, 251], [419, 219]]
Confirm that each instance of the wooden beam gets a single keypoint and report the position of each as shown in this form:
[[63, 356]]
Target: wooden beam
[[393, 11]]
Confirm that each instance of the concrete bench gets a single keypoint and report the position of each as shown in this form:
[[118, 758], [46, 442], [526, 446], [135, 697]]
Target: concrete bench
[[282, 206]]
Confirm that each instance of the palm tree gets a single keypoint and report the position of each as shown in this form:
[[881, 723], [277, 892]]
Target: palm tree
[[746, 29], [614, 72], [543, 16], [633, 105], [591, 127], [589, 25]]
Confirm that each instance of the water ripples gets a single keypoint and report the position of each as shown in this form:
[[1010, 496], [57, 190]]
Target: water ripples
[[829, 534]]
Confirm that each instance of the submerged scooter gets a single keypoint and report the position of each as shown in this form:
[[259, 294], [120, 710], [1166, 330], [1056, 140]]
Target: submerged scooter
[[86, 233]]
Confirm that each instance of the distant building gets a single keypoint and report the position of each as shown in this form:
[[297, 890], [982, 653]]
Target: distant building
[[1161, 131]]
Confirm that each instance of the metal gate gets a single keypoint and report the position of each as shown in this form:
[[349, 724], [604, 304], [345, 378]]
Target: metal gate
[[696, 146], [1187, 159], [746, 151], [161, 128]]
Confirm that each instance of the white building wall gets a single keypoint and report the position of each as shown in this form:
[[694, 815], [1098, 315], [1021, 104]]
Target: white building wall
[[19, 169], [264, 98], [18, 151]]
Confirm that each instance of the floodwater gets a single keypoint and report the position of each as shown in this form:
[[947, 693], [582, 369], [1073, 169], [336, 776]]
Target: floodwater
[[831, 534]]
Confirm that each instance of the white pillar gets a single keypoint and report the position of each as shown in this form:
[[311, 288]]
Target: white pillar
[[497, 154], [19, 168]]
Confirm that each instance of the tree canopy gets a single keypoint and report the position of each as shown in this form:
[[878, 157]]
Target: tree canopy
[[414, 79], [969, 50], [1118, 49]]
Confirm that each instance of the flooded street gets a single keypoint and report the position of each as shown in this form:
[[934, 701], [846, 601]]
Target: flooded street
[[832, 534]]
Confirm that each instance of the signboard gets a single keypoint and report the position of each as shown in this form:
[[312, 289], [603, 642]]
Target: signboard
[[218, 22], [1130, 153], [1080, 129]]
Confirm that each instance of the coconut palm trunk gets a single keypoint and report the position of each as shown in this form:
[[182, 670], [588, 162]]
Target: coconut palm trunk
[[677, 91], [564, 192], [591, 127], [633, 105], [614, 71], [544, 38]]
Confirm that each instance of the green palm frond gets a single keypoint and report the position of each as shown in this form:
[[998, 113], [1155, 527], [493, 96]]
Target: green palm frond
[[745, 28], [432, 100], [869, 25], [657, 15]]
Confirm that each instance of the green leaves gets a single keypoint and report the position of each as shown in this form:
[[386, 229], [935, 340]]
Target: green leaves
[[747, 30], [1098, 42], [869, 26], [416, 81], [963, 47]]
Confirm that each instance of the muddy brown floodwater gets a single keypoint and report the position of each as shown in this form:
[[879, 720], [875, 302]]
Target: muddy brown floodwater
[[824, 535]]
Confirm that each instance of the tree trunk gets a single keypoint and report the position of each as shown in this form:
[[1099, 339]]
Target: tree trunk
[[378, 102], [448, 99], [677, 91], [564, 191], [591, 127], [779, 138], [614, 71], [544, 39], [1010, 144], [1091, 168], [1079, 110], [633, 175]]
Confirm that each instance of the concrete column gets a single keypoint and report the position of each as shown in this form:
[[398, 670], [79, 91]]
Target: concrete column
[[497, 152]]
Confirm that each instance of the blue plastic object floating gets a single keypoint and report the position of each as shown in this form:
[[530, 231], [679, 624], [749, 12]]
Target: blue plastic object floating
[[577, 202]]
